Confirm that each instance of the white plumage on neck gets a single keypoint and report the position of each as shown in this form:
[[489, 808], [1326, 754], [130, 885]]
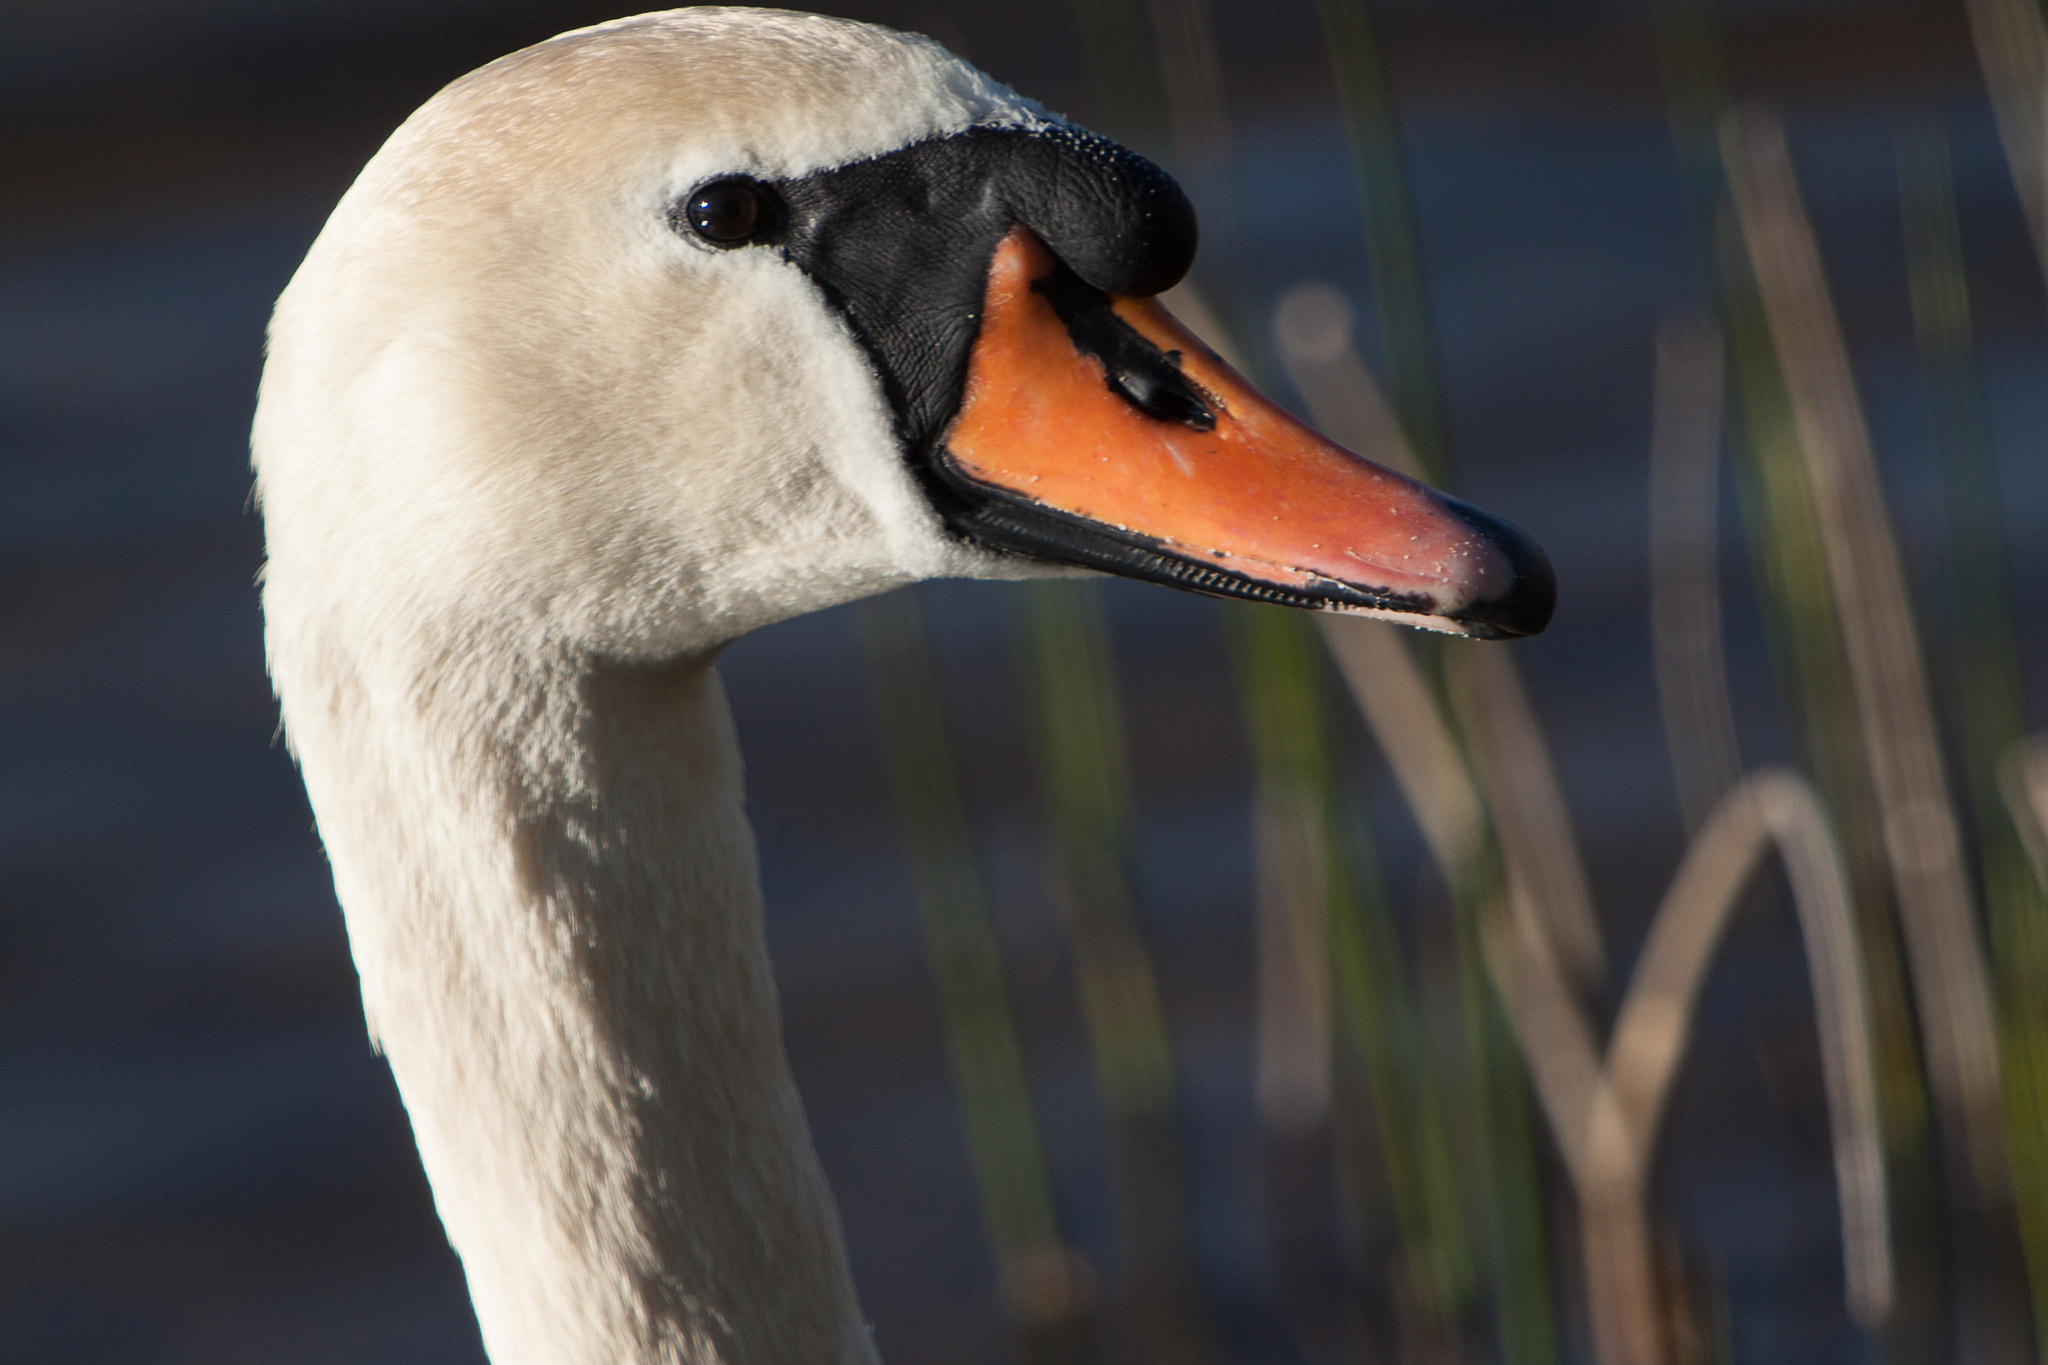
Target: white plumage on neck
[[527, 460], [565, 965]]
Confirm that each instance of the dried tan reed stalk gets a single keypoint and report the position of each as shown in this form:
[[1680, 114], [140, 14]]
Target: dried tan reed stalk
[[1293, 1031], [1606, 1117], [1921, 838], [1390, 689], [1531, 821], [2023, 782], [1312, 326], [1769, 806], [2012, 47], [1291, 923], [1293, 1038], [1685, 593], [1330, 960], [1303, 814]]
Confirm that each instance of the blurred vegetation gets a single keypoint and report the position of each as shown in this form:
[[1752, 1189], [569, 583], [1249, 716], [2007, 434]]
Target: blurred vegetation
[[1464, 1143]]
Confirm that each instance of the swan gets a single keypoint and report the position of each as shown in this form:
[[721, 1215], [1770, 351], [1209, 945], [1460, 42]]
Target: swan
[[623, 346]]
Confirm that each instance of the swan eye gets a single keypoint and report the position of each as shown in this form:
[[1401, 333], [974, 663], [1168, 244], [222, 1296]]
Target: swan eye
[[732, 212]]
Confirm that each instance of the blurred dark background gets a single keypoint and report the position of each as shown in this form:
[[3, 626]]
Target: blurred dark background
[[200, 1158]]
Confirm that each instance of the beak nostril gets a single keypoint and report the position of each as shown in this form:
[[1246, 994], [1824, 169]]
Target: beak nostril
[[1140, 373], [1162, 393]]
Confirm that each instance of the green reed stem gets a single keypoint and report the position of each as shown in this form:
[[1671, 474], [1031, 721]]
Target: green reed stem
[[1283, 678], [1393, 244], [1509, 1188], [1157, 83], [1804, 631], [1080, 735], [1776, 503], [1983, 670], [1043, 1283], [1190, 82]]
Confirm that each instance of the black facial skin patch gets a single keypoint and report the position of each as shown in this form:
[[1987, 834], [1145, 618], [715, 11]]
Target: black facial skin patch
[[901, 244]]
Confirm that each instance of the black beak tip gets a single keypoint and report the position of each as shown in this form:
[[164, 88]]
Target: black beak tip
[[1525, 605]]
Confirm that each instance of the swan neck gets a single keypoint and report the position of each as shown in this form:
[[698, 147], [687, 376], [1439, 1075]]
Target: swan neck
[[558, 929]]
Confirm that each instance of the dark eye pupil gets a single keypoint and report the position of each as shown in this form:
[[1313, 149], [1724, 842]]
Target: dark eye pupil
[[728, 212]]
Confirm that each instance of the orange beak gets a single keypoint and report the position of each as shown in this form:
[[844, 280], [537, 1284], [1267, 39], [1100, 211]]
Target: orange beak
[[1111, 436]]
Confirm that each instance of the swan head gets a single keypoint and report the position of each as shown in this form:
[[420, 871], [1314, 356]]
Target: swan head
[[664, 330], [621, 347]]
